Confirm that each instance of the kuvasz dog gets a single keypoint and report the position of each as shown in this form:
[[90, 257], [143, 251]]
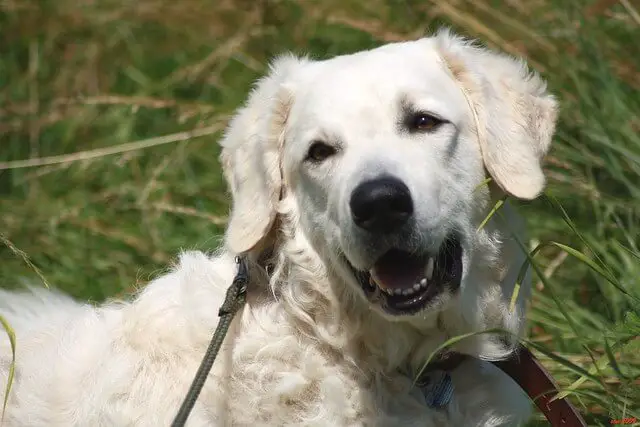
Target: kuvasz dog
[[359, 188]]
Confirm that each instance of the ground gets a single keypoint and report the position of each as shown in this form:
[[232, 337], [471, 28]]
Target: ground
[[132, 97]]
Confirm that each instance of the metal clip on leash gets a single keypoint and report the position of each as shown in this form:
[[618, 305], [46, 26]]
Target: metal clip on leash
[[234, 300]]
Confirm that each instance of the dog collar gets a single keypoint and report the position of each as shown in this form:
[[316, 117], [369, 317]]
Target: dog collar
[[535, 380], [523, 367]]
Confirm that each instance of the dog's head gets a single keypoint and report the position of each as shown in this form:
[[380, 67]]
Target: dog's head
[[383, 153]]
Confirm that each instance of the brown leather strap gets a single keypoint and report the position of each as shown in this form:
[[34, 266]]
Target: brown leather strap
[[534, 379]]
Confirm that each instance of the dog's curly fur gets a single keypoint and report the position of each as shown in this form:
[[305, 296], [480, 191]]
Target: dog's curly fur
[[309, 349]]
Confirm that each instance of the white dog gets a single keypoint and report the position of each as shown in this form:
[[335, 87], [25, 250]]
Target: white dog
[[359, 185]]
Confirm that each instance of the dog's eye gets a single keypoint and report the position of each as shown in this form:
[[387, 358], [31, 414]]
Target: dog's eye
[[424, 122], [320, 151]]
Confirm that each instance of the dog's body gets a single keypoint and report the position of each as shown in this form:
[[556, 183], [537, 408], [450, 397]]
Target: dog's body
[[358, 197]]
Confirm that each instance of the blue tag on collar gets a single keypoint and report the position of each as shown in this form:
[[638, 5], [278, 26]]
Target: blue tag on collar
[[437, 388]]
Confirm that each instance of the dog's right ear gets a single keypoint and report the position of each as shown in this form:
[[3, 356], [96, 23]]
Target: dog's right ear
[[515, 113], [251, 155]]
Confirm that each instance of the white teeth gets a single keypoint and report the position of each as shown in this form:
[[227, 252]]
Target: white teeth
[[422, 284], [428, 271]]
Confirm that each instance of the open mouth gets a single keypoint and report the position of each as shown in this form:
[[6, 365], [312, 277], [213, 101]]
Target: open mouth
[[404, 283]]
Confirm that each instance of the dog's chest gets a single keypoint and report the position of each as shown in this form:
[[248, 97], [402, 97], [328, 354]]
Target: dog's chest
[[313, 390]]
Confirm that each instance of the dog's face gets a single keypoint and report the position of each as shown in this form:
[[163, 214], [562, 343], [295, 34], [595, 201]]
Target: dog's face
[[383, 152], [375, 155]]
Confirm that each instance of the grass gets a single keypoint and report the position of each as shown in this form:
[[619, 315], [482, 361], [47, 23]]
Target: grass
[[80, 80]]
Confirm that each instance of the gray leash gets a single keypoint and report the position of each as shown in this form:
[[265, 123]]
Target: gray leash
[[234, 300]]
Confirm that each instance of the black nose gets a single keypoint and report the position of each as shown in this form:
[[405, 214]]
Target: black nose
[[381, 205]]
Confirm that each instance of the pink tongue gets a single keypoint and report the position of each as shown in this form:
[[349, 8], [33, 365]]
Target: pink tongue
[[398, 270]]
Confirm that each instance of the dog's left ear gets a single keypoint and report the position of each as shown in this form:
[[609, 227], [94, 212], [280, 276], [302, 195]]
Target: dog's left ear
[[516, 114], [251, 153]]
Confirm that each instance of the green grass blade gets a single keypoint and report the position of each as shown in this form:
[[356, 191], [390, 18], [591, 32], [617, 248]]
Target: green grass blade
[[454, 340], [628, 250], [600, 364], [542, 277], [23, 255], [492, 212], [612, 359], [592, 265], [12, 367], [566, 363], [484, 183], [565, 216]]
